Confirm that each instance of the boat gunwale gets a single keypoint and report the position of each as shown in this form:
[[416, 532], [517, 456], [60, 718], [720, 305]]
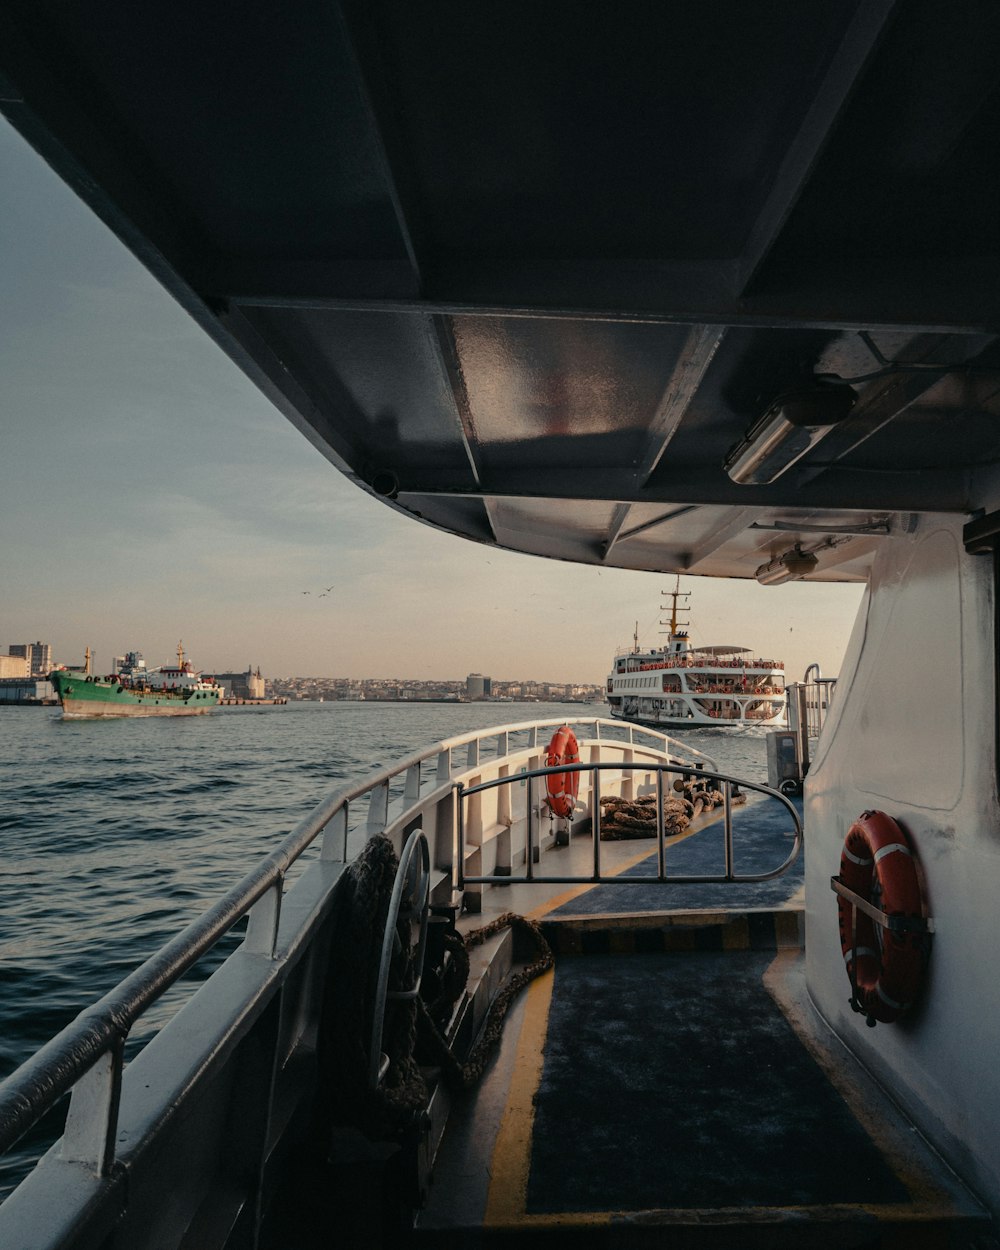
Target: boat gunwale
[[37, 1084]]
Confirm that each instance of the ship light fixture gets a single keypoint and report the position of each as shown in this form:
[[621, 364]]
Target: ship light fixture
[[791, 567], [793, 424]]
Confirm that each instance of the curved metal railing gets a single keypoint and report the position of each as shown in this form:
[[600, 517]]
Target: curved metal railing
[[87, 1056], [595, 769]]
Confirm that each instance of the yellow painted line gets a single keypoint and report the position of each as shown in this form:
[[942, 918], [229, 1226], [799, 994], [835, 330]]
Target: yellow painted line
[[574, 892], [510, 1166], [752, 1217], [507, 1197]]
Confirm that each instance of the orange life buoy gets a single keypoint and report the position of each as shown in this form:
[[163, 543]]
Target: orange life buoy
[[887, 967], [562, 787]]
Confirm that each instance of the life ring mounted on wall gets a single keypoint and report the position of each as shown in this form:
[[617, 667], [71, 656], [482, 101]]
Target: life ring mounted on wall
[[562, 788], [883, 928]]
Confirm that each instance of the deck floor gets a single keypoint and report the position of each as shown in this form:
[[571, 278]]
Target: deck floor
[[686, 1089], [672, 1071]]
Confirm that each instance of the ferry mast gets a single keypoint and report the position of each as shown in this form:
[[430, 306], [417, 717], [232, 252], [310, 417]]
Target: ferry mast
[[675, 640]]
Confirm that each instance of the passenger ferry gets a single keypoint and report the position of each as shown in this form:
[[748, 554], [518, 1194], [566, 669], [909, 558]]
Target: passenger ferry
[[701, 290], [678, 686]]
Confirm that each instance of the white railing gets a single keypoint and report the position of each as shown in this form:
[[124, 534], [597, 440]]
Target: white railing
[[87, 1057]]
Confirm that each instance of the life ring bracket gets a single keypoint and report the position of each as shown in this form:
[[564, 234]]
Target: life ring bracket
[[895, 924], [922, 925]]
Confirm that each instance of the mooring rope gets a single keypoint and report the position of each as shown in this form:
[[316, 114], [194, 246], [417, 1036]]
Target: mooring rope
[[413, 1029], [465, 1075]]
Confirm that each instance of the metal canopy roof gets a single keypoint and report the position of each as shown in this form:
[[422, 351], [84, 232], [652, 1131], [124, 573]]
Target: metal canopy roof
[[528, 272]]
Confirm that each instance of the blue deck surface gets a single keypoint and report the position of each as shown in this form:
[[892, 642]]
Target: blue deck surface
[[762, 839], [676, 1082]]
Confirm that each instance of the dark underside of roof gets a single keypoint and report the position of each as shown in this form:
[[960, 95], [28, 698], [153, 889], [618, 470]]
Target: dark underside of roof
[[529, 271]]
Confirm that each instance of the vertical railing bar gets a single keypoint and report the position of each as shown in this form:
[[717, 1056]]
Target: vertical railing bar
[[91, 1127], [378, 808], [727, 808], [264, 917], [333, 844], [595, 822], [411, 789], [529, 849], [661, 833], [854, 955], [458, 842]]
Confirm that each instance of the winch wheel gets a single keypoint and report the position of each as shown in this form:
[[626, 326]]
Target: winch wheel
[[412, 885]]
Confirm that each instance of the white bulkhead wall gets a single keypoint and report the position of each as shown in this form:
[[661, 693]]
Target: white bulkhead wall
[[912, 734]]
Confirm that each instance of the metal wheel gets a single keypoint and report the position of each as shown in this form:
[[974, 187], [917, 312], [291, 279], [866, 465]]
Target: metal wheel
[[412, 883]]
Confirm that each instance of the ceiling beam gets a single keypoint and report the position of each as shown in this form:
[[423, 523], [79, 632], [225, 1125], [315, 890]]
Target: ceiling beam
[[446, 350], [692, 363], [887, 399], [871, 18], [362, 45], [618, 519], [955, 295], [736, 523], [625, 535], [915, 491]]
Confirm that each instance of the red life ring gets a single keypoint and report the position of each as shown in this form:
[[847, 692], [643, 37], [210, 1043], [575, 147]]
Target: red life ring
[[887, 967], [562, 787]]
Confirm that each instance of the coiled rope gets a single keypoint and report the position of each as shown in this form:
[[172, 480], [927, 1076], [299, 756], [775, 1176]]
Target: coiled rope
[[414, 1030]]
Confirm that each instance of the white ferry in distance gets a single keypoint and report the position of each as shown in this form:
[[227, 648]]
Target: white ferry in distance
[[683, 687]]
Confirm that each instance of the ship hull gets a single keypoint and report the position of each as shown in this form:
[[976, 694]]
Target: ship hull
[[82, 696], [778, 721]]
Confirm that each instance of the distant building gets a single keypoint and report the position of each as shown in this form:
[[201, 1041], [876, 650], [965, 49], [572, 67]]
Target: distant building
[[248, 685], [25, 690], [13, 666], [38, 655], [478, 687]]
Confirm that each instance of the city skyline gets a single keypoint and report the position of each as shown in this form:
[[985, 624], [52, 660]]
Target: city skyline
[[149, 493]]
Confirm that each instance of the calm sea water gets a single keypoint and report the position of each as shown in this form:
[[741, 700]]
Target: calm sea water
[[115, 834]]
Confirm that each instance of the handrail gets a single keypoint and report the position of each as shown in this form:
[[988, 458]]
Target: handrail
[[661, 877], [27, 1093]]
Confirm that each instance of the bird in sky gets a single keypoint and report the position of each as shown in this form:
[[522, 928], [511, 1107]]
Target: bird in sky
[[307, 592]]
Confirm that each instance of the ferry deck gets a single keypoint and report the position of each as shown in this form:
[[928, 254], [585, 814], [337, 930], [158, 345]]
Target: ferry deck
[[707, 290], [669, 1078]]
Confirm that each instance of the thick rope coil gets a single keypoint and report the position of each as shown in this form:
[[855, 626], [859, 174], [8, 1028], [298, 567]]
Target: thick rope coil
[[465, 1075], [411, 1027]]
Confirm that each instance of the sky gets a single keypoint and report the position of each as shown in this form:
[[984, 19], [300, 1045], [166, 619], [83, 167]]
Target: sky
[[149, 494]]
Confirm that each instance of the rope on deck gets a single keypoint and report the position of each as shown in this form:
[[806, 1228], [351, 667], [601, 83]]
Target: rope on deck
[[413, 1032], [465, 1075]]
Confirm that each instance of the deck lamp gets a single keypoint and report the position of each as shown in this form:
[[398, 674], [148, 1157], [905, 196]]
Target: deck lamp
[[791, 567], [793, 424]]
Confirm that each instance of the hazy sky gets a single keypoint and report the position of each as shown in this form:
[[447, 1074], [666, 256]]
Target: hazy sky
[[148, 493]]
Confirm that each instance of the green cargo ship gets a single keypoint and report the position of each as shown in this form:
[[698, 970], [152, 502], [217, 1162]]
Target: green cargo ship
[[169, 691]]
